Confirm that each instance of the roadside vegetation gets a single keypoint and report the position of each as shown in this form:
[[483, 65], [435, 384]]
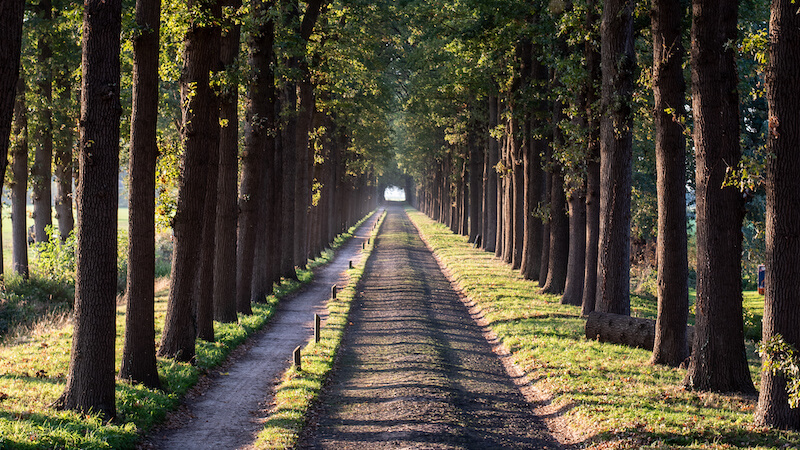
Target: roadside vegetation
[[299, 389], [609, 395], [35, 358]]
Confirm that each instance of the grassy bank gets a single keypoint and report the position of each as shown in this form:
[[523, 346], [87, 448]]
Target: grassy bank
[[33, 368], [608, 394], [300, 388]]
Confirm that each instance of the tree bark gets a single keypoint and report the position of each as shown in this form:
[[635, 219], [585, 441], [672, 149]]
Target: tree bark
[[618, 65], [19, 185], [138, 351], [227, 186], [475, 186], [534, 181], [781, 305], [559, 236], [625, 330], [490, 239], [204, 286], [62, 157], [41, 170], [258, 127], [718, 361], [200, 126], [592, 56], [90, 380], [573, 287], [544, 265], [669, 92], [11, 13]]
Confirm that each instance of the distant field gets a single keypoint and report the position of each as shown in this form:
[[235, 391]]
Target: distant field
[[122, 219]]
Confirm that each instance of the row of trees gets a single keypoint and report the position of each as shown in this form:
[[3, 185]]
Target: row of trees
[[534, 156], [249, 197]]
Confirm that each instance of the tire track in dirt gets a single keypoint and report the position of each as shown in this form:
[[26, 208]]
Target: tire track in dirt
[[229, 407], [415, 370]]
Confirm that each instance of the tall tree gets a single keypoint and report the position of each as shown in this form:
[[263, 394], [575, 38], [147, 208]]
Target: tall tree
[[669, 93], [200, 127], [718, 362], [41, 170], [11, 13], [139, 351], [592, 56], [19, 185], [491, 179], [618, 65], [90, 380], [781, 305], [227, 210], [259, 128]]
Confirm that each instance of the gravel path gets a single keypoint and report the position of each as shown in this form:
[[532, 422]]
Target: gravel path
[[228, 412], [415, 370]]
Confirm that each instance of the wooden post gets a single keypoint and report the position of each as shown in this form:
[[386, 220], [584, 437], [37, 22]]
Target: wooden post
[[317, 322], [351, 264], [362, 246], [333, 291], [296, 355]]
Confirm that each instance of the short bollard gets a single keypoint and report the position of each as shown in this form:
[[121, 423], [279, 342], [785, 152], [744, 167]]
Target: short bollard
[[362, 246], [367, 240], [296, 355], [333, 291], [351, 264], [317, 322]]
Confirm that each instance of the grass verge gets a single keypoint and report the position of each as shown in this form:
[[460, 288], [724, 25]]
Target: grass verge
[[608, 394], [299, 389], [33, 374]]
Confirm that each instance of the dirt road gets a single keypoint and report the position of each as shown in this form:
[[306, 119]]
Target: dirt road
[[415, 371], [230, 411]]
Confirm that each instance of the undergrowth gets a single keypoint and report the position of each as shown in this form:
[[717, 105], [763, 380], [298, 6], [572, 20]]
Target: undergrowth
[[33, 370], [609, 394]]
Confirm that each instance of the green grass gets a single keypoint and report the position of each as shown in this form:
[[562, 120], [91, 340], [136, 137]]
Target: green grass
[[33, 368], [299, 389], [5, 214], [609, 394]]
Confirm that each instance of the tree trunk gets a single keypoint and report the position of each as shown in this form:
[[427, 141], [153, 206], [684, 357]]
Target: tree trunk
[[781, 306], [592, 56], [11, 13], [573, 288], [302, 182], [592, 228], [559, 236], [227, 208], [90, 380], [475, 186], [671, 347], [259, 123], [544, 265], [204, 286], [41, 170], [138, 351], [62, 158], [534, 181], [200, 127], [618, 65], [490, 239], [19, 184], [718, 361], [625, 330]]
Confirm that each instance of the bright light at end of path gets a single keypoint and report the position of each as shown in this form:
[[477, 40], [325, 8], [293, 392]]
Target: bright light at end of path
[[394, 194]]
